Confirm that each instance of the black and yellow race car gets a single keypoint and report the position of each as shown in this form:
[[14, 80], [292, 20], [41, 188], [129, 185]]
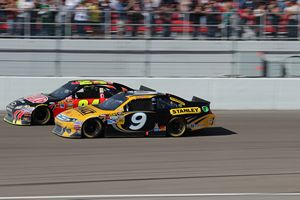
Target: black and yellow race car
[[136, 113]]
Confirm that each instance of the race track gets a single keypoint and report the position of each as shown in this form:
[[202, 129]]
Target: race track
[[246, 152]]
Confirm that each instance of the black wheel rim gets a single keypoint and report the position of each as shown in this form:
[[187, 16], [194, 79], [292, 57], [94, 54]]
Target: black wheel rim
[[41, 116], [176, 127], [92, 128]]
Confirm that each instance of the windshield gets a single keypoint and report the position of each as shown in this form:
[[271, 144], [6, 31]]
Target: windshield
[[114, 102], [65, 91]]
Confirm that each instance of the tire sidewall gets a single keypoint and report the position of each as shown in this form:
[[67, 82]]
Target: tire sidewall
[[35, 121], [96, 135], [178, 120]]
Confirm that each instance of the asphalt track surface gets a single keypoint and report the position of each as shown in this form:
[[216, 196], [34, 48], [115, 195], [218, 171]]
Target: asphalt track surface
[[246, 152]]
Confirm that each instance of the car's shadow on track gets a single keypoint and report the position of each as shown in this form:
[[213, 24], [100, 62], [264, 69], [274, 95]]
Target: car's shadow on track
[[214, 131]]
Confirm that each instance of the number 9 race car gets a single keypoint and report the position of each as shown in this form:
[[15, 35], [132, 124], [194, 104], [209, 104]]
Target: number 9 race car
[[42, 108], [136, 113]]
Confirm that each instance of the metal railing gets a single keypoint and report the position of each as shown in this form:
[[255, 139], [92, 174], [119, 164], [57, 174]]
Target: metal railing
[[147, 25]]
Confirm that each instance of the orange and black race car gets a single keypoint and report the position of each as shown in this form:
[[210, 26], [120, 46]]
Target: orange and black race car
[[136, 113], [41, 109]]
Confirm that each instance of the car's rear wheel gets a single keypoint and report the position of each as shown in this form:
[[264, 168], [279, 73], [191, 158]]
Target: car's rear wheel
[[176, 127], [93, 128], [41, 116]]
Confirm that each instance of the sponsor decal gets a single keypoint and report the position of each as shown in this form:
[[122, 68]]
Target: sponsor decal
[[75, 83], [156, 128], [37, 98], [111, 121], [86, 82], [28, 109], [205, 109], [8, 109], [187, 110], [85, 110], [69, 105], [18, 114], [99, 82], [68, 100], [114, 117], [13, 103], [62, 105], [162, 128], [26, 119], [77, 125], [177, 101], [196, 126]]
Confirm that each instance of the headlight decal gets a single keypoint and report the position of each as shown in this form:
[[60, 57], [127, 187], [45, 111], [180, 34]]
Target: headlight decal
[[65, 118]]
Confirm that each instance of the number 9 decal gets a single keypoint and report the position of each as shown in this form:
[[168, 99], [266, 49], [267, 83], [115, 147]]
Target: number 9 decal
[[138, 120]]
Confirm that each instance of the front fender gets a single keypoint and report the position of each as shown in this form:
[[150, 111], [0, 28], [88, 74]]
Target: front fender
[[20, 116]]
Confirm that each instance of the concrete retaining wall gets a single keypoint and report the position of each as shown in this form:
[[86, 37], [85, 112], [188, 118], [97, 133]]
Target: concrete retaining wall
[[224, 93], [140, 58]]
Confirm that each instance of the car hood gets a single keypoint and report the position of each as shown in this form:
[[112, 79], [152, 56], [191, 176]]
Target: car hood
[[32, 100], [83, 113]]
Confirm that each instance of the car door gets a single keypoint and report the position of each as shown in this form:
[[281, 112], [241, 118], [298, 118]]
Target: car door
[[89, 94], [139, 117], [163, 104]]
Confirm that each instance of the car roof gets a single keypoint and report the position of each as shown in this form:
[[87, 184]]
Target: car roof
[[90, 82]]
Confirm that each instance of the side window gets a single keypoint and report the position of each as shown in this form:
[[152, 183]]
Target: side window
[[164, 103], [88, 92], [140, 105], [108, 92]]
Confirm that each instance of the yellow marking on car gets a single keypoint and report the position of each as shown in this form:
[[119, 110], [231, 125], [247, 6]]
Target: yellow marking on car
[[183, 111], [203, 122], [85, 110], [177, 101], [83, 82]]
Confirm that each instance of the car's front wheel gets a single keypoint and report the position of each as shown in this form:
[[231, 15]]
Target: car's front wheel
[[41, 116], [93, 128], [176, 127]]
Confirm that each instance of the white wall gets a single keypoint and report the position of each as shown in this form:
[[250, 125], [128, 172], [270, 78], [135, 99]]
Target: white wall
[[224, 93], [140, 58]]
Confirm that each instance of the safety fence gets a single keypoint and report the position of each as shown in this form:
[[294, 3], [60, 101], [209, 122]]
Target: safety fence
[[107, 24]]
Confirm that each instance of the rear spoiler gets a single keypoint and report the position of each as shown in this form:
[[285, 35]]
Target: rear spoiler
[[197, 99], [144, 88]]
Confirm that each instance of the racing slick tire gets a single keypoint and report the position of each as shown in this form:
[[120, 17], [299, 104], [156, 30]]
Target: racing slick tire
[[41, 116], [93, 128], [176, 127]]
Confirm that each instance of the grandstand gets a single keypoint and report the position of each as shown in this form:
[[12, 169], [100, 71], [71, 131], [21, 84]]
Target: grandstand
[[151, 19]]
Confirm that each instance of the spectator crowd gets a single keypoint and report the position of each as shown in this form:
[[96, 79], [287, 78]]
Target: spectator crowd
[[243, 19]]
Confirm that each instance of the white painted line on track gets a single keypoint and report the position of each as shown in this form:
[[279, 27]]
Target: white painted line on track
[[148, 195]]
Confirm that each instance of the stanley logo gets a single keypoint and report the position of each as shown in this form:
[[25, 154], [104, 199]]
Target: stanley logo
[[183, 111]]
